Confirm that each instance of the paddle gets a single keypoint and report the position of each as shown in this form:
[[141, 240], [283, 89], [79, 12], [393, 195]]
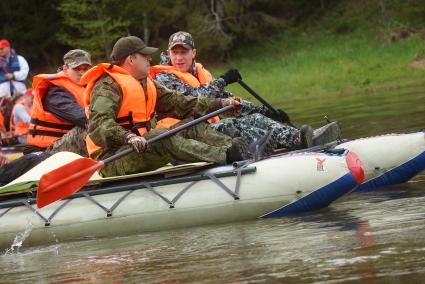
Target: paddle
[[69, 178], [263, 101]]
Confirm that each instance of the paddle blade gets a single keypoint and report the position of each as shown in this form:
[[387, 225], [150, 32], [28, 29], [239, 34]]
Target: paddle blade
[[65, 181]]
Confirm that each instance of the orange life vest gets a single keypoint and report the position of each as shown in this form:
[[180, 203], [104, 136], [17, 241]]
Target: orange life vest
[[45, 128], [203, 77], [21, 128], [137, 108]]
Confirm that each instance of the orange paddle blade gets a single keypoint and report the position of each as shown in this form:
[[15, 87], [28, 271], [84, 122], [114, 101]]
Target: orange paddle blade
[[65, 181]]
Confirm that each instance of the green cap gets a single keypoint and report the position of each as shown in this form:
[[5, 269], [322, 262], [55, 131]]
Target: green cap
[[76, 57], [181, 38], [126, 46]]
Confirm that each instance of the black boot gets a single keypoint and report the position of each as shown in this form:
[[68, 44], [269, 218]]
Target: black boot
[[303, 138], [238, 151]]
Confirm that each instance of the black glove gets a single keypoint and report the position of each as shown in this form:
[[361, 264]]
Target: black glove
[[138, 143], [280, 116], [231, 76]]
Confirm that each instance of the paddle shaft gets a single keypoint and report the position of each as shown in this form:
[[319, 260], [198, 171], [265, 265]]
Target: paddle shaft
[[170, 132], [258, 97]]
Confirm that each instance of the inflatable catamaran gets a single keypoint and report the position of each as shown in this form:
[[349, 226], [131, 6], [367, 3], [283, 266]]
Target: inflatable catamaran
[[389, 159], [201, 193], [175, 197]]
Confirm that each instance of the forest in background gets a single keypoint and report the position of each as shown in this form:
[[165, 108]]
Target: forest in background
[[42, 31]]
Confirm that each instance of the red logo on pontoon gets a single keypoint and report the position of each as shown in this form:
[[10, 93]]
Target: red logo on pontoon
[[320, 163]]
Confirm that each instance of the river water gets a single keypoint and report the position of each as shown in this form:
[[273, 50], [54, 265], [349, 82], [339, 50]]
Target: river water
[[368, 237]]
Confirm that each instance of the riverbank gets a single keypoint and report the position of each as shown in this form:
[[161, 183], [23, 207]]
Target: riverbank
[[299, 64]]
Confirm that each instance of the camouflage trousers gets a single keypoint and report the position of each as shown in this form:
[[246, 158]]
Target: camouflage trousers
[[74, 141], [182, 147], [203, 132], [253, 126]]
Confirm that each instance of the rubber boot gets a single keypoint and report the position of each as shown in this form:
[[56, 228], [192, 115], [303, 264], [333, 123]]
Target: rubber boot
[[327, 133]]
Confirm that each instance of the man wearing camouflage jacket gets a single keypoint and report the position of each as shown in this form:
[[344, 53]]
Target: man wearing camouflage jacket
[[253, 123], [121, 101]]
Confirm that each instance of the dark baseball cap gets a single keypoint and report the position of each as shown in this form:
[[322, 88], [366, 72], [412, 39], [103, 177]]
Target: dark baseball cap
[[76, 57], [126, 46], [183, 39]]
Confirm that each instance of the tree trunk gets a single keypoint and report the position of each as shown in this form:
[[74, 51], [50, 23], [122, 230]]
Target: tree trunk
[[145, 28]]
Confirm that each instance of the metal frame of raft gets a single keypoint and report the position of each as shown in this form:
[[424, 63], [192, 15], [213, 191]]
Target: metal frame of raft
[[149, 185]]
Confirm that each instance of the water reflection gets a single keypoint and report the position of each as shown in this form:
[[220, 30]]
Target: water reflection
[[368, 237]]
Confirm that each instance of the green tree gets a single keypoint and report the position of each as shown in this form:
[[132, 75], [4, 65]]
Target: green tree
[[31, 28], [92, 25]]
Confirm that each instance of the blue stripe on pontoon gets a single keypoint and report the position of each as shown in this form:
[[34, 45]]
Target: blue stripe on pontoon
[[397, 175], [317, 199]]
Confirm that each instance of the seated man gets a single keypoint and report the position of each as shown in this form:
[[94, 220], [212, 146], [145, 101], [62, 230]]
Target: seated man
[[121, 101], [20, 117], [57, 119], [58, 105], [179, 71]]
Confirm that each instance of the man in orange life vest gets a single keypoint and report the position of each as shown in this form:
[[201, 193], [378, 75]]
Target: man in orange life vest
[[179, 71], [58, 104], [20, 116], [121, 101], [57, 119]]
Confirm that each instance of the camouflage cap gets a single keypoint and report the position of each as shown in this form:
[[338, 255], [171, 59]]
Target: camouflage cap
[[76, 57], [126, 46], [181, 38]]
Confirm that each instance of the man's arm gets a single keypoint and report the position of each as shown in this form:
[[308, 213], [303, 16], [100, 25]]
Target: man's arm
[[63, 105], [214, 88], [105, 102], [174, 104], [22, 74], [19, 112]]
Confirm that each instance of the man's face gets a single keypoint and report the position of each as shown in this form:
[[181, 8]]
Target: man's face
[[75, 73], [182, 58], [5, 51], [140, 65]]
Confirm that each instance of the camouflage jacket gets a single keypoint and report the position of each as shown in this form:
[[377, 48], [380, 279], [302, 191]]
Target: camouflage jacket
[[214, 88], [105, 103]]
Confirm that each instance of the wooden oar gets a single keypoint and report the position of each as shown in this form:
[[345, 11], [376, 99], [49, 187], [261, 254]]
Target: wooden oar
[[68, 179], [263, 101]]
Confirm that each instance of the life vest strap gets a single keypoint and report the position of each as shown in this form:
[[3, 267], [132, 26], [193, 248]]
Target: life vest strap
[[160, 116], [123, 119], [36, 121], [135, 126], [45, 133]]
